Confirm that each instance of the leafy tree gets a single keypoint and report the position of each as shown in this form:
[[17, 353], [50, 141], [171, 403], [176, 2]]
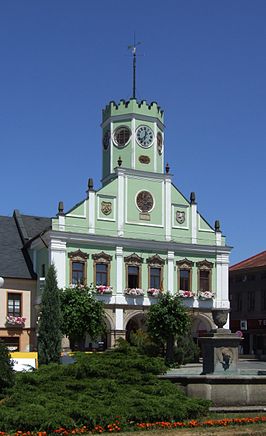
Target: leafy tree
[[167, 320], [81, 314], [6, 368], [49, 333]]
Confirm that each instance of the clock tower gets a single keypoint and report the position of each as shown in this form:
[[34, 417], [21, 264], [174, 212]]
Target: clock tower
[[133, 137]]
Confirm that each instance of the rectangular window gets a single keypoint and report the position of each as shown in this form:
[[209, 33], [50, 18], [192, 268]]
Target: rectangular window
[[133, 277], [101, 274], [14, 304], [78, 273], [184, 280], [11, 343], [263, 299], [204, 280], [239, 304], [155, 277], [251, 301]]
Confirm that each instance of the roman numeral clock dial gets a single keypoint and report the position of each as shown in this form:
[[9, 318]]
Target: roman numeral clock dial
[[145, 136]]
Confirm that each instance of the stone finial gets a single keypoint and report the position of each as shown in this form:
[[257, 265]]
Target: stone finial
[[167, 168], [217, 226], [60, 208], [192, 198], [119, 161], [90, 184]]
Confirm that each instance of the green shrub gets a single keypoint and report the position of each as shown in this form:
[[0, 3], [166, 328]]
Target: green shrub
[[94, 390], [6, 369]]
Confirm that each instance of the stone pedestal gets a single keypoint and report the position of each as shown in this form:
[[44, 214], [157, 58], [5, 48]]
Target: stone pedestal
[[220, 347], [220, 352]]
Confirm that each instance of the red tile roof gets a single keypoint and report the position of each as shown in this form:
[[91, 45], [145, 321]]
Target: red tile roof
[[256, 261]]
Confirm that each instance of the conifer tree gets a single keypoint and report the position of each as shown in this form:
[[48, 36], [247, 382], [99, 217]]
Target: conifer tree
[[49, 333], [6, 368]]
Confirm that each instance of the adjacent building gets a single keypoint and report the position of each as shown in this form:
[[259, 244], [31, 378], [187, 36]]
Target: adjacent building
[[135, 237], [248, 302]]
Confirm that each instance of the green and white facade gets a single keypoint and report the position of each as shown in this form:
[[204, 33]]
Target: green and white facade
[[138, 230]]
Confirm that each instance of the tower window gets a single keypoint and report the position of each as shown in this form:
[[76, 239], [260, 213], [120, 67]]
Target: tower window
[[121, 136]]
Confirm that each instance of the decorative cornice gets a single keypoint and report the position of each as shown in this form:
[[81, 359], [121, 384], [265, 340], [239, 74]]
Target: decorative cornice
[[155, 260], [133, 259], [204, 264], [185, 263], [137, 244], [102, 257], [78, 255]]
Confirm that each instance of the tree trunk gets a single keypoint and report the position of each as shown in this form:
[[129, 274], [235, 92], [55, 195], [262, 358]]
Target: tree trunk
[[169, 357]]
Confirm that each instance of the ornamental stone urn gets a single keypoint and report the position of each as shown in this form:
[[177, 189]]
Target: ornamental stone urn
[[219, 317]]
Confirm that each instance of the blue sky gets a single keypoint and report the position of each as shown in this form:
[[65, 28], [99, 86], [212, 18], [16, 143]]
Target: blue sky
[[203, 61]]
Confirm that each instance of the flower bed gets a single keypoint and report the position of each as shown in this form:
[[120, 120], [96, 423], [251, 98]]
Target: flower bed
[[15, 321], [119, 425], [134, 292], [153, 292], [103, 290], [185, 294], [205, 295]]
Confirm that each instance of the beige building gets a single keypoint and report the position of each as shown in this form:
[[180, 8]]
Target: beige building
[[18, 291]]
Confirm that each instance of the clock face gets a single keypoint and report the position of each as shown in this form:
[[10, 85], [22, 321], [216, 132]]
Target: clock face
[[159, 143], [106, 139], [121, 136], [144, 136], [144, 201]]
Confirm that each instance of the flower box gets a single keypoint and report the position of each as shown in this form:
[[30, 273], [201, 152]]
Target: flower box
[[15, 321], [134, 292], [153, 292], [205, 295], [185, 294], [103, 290]]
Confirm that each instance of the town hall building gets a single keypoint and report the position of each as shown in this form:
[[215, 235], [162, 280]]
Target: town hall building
[[135, 237]]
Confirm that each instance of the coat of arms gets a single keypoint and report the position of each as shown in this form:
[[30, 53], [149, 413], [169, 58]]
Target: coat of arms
[[106, 207], [180, 217]]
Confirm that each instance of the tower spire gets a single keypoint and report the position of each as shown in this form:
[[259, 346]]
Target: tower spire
[[133, 49]]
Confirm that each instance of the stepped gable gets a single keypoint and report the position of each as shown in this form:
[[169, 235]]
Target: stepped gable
[[257, 261]]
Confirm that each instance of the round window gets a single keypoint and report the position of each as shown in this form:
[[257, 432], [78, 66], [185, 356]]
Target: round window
[[121, 136]]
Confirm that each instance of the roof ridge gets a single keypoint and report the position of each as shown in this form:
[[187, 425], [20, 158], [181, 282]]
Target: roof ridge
[[248, 259]]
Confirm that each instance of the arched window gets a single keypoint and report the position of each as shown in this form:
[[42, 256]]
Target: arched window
[[78, 268], [155, 265], [102, 262], [133, 271], [184, 275], [204, 276]]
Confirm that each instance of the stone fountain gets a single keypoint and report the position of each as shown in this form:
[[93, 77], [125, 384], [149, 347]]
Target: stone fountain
[[220, 347], [219, 379]]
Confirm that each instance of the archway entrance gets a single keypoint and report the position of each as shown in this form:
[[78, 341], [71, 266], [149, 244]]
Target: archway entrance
[[137, 322]]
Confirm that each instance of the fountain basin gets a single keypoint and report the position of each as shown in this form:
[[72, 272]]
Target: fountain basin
[[222, 389]]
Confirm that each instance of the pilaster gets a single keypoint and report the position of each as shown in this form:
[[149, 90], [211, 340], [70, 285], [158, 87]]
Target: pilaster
[[222, 279], [57, 256], [119, 270], [168, 203], [194, 223], [120, 202], [119, 319], [170, 272], [91, 198]]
